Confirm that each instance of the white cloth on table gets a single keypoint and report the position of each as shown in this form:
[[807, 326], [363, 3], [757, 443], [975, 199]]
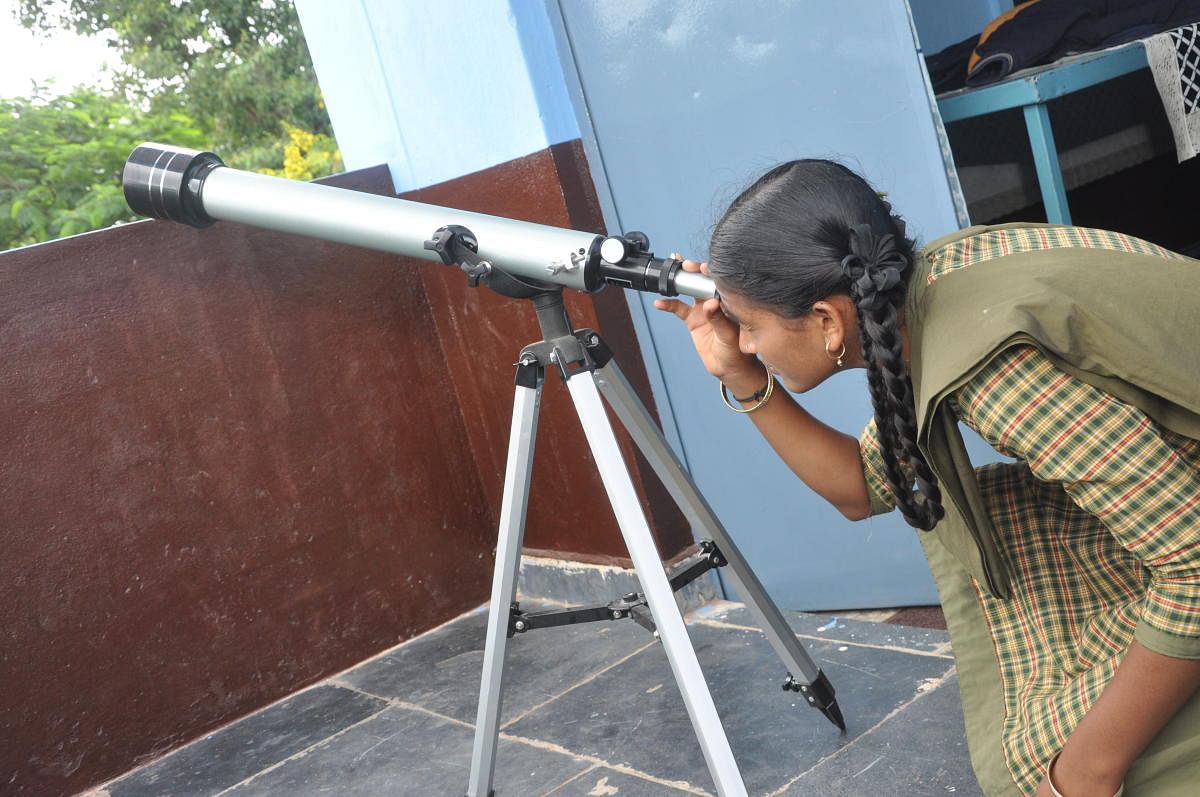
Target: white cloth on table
[[1174, 58]]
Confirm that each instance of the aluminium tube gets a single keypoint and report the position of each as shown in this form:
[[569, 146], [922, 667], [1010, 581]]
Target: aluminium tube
[[196, 188]]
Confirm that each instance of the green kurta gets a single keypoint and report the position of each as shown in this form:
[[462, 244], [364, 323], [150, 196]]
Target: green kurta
[[1092, 315], [1125, 322]]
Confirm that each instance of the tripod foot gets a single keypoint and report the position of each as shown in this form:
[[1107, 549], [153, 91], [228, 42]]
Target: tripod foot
[[835, 715], [820, 696]]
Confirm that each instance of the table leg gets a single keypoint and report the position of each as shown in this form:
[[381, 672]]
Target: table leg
[[1045, 158]]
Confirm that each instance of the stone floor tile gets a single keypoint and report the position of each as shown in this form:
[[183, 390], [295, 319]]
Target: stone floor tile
[[605, 782], [235, 752], [634, 715], [920, 751], [440, 671], [408, 753]]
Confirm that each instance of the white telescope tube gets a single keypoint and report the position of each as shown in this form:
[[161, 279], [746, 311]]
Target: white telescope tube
[[196, 188]]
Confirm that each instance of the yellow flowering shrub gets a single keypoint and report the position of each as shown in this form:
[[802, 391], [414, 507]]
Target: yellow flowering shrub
[[307, 155]]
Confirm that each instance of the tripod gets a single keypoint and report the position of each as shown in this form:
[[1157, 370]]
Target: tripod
[[585, 364]]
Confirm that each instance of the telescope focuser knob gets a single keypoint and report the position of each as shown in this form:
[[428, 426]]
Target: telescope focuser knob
[[613, 249], [639, 240]]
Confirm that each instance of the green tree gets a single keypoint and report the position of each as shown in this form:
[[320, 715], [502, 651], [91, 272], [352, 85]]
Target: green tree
[[231, 76], [60, 168], [241, 67]]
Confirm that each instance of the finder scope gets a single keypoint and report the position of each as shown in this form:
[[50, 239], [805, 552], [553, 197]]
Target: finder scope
[[196, 188]]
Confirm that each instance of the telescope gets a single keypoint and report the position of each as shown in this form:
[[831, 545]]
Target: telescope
[[514, 258], [535, 262]]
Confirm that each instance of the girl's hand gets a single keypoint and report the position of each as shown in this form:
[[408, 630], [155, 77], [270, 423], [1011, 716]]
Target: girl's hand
[[714, 336]]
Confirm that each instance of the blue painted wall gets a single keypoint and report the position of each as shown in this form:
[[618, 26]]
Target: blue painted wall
[[440, 90], [680, 104]]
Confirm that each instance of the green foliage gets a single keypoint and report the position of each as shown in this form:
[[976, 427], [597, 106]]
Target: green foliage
[[239, 66], [60, 168], [231, 76]]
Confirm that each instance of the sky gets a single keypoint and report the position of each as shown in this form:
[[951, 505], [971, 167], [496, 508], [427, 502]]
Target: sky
[[63, 57]]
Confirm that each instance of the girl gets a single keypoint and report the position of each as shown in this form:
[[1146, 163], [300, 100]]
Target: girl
[[1071, 579]]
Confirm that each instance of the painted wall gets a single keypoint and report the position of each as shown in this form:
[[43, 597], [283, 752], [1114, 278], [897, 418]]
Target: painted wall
[[233, 462], [205, 502], [470, 93], [679, 105], [682, 104], [440, 90]]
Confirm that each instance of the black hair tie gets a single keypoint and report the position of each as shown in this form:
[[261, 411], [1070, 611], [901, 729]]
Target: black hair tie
[[874, 267]]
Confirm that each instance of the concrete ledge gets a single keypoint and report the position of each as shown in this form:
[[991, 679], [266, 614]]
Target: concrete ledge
[[567, 582]]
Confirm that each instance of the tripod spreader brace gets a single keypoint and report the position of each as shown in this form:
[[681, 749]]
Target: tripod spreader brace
[[632, 606]]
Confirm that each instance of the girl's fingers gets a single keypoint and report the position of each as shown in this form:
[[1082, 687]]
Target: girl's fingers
[[674, 307], [690, 265], [700, 313], [723, 329], [714, 316]]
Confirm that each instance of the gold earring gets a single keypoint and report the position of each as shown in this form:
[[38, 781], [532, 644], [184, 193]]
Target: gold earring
[[837, 356]]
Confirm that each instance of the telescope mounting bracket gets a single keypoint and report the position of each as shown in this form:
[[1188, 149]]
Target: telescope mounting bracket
[[457, 246]]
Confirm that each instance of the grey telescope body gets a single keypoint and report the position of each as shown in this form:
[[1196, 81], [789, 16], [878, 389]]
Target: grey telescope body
[[196, 188]]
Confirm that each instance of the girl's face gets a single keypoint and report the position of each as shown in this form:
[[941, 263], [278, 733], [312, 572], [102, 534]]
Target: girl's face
[[791, 348]]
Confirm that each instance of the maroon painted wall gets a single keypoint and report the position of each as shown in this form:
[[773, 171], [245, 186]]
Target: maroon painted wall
[[233, 462], [480, 327]]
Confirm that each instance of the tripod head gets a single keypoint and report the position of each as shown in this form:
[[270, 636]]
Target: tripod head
[[516, 258]]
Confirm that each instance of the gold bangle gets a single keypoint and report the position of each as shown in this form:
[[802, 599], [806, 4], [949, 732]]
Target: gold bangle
[[765, 397]]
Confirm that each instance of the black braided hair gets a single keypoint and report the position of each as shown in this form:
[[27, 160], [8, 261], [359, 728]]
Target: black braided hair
[[810, 229]]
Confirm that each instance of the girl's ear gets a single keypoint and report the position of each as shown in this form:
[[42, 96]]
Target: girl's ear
[[831, 314]]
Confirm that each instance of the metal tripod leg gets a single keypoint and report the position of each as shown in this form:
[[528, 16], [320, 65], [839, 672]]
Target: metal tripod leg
[[809, 679], [517, 477], [661, 599]]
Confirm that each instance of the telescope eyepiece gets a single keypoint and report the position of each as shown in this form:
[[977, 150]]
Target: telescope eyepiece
[[165, 182]]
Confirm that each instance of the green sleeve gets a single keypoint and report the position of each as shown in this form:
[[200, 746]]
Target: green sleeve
[[874, 471]]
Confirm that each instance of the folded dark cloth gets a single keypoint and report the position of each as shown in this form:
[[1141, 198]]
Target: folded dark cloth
[[1039, 32], [948, 68]]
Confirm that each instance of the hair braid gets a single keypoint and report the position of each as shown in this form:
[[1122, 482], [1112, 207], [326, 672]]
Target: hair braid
[[876, 268], [881, 401]]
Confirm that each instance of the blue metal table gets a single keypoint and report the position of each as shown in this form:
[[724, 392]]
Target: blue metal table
[[1030, 90]]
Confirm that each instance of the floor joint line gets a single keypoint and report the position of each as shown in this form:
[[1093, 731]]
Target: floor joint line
[[940, 652], [299, 753], [576, 685]]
